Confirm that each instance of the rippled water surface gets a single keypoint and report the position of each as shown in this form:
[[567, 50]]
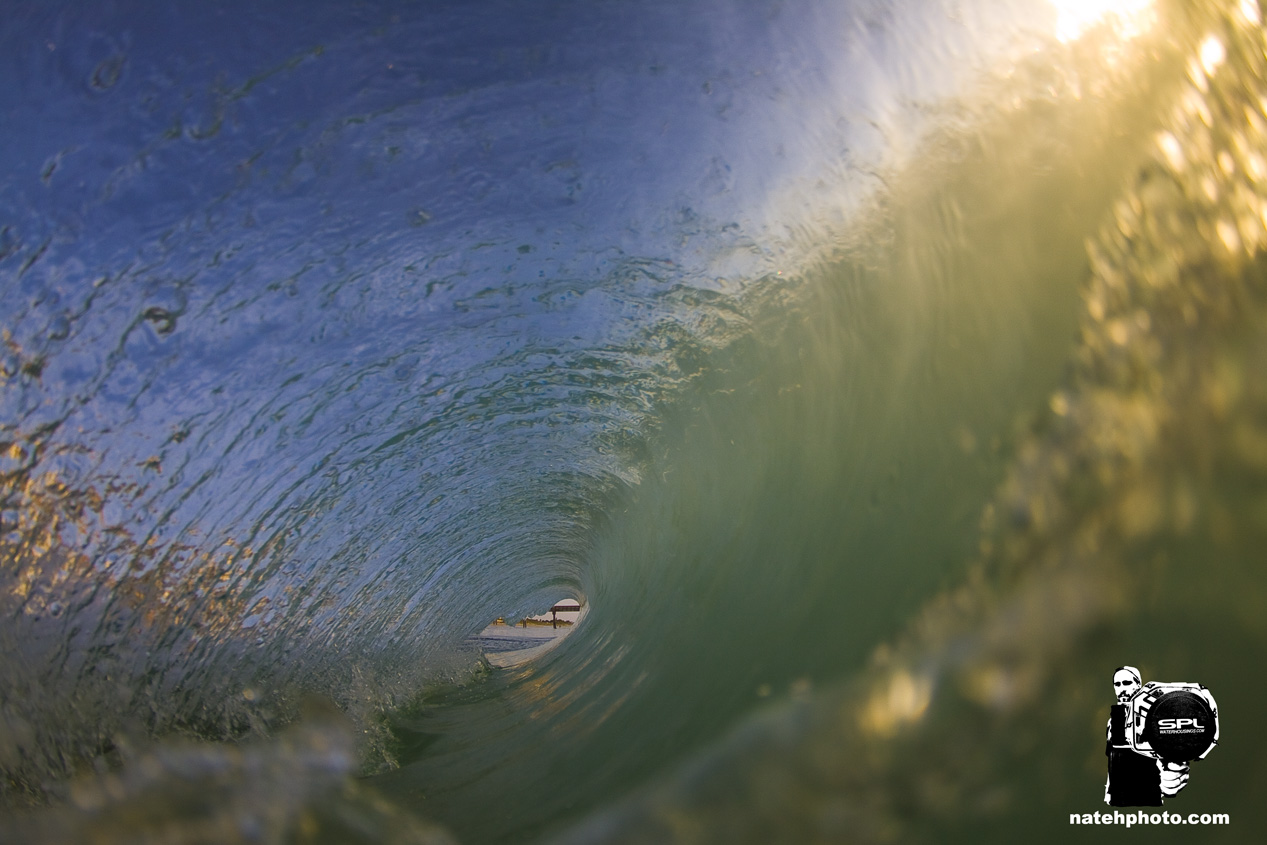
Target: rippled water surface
[[880, 376]]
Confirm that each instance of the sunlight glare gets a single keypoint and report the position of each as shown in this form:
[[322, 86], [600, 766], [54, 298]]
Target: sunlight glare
[[1129, 18]]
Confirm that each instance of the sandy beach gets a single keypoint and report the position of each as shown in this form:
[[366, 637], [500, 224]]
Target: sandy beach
[[508, 645]]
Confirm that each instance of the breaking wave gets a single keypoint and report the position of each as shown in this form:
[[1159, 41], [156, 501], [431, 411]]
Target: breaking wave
[[879, 376]]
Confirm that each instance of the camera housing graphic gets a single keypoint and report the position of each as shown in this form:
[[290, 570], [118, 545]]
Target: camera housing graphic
[[1173, 722]]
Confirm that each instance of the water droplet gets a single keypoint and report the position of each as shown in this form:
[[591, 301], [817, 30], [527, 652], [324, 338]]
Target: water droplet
[[107, 74], [163, 321], [59, 328]]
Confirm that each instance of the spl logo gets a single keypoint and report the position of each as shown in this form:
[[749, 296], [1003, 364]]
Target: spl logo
[[1171, 726], [1155, 731]]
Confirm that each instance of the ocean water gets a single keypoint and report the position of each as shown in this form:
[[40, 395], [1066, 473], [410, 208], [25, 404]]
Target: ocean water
[[880, 377]]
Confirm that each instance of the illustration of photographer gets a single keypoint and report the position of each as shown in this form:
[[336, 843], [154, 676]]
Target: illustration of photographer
[[1154, 730]]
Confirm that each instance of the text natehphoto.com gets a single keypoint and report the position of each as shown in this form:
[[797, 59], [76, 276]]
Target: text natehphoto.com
[[1129, 819]]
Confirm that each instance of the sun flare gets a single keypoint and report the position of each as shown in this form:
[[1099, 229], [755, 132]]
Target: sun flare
[[1127, 17]]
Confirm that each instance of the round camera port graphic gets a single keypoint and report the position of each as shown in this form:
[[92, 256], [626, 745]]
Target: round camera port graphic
[[1175, 723]]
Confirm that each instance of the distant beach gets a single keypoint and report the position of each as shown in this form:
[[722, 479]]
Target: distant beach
[[505, 645]]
